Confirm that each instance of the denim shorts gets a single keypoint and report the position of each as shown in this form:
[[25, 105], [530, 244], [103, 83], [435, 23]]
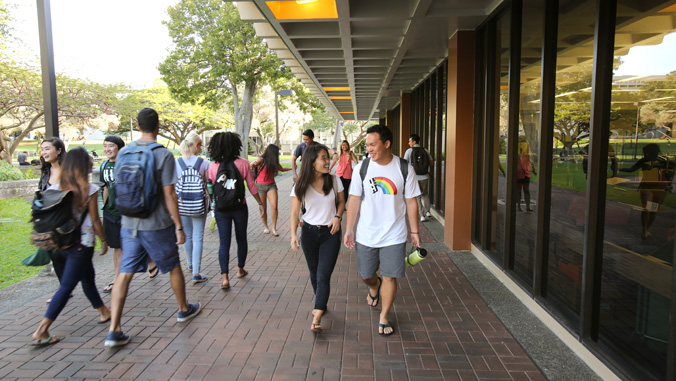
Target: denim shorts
[[265, 188], [160, 245], [391, 260]]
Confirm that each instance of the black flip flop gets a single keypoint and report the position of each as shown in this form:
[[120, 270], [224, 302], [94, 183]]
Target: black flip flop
[[376, 298], [154, 269], [383, 326]]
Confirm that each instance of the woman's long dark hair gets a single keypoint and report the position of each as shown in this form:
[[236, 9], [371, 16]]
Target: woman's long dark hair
[[75, 176], [307, 171], [224, 147], [348, 147], [45, 167], [271, 161]]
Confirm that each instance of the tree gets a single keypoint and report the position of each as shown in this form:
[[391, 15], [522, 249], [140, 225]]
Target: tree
[[218, 58], [321, 120], [21, 103], [356, 127], [290, 116], [177, 119]]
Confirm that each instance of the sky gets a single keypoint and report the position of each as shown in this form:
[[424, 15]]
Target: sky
[[100, 40], [124, 40]]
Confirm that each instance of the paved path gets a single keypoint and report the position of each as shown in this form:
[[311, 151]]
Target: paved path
[[259, 329]]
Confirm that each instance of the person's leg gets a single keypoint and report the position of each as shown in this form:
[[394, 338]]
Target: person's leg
[[188, 245], [88, 283], [241, 218], [368, 262], [329, 246], [424, 199], [391, 267], [224, 224], [264, 216], [309, 243], [69, 279], [59, 264], [519, 189], [272, 197], [117, 258], [198, 223], [346, 187], [646, 196], [178, 286], [526, 196]]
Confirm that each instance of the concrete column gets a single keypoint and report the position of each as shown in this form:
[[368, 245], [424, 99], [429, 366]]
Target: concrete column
[[459, 141], [405, 124]]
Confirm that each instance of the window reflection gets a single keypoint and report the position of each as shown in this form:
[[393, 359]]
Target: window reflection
[[640, 207]]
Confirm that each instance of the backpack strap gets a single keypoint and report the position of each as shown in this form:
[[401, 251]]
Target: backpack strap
[[362, 173], [182, 164], [403, 165]]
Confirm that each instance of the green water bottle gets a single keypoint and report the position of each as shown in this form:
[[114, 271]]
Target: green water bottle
[[417, 255]]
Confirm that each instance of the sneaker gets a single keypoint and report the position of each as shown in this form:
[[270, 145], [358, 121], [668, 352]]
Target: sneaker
[[428, 214], [116, 339], [190, 267], [193, 310], [423, 219], [199, 278]]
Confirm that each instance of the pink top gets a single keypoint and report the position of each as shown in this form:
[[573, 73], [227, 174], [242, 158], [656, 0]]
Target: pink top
[[262, 177], [244, 169], [344, 169], [523, 169]]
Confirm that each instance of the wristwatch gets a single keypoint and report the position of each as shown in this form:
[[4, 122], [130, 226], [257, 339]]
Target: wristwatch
[[338, 217]]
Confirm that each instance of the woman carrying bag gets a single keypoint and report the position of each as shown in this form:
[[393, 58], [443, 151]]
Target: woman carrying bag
[[320, 196]]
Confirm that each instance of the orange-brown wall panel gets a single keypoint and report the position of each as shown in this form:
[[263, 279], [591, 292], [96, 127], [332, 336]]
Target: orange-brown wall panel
[[459, 141]]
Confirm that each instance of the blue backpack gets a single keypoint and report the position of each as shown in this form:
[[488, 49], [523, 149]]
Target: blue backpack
[[190, 189], [136, 190]]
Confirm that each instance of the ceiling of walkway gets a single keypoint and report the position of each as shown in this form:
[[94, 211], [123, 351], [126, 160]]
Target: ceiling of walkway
[[358, 56]]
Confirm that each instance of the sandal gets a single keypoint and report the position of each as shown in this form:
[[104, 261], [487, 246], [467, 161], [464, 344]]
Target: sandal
[[375, 299], [153, 270], [48, 341], [274, 232], [109, 288], [266, 231], [381, 329]]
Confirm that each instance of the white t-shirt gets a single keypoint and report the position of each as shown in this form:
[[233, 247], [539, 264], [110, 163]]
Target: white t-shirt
[[319, 208], [382, 216]]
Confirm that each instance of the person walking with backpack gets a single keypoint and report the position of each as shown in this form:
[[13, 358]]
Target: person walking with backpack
[[265, 168], [151, 225], [382, 195], [319, 195], [193, 200], [228, 173], [77, 258], [421, 161], [344, 170], [52, 153]]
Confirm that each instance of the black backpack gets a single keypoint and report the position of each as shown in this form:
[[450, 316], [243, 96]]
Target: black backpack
[[228, 188], [420, 161], [54, 226]]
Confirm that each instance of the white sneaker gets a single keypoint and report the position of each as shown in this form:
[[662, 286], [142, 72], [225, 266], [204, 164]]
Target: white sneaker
[[423, 219], [428, 214]]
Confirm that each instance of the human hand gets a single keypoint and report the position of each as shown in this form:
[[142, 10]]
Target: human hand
[[104, 248], [348, 239], [415, 239], [294, 242], [180, 237], [295, 177], [335, 225]]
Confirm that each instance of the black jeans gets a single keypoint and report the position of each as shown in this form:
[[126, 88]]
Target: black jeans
[[78, 268], [224, 222], [321, 253], [346, 187]]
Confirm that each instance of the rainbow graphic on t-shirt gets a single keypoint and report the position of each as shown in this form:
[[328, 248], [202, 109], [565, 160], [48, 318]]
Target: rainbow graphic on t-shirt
[[384, 184]]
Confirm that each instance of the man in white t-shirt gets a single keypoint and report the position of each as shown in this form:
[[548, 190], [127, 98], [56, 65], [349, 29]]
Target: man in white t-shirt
[[382, 199]]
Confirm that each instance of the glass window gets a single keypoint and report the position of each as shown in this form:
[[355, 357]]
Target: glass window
[[640, 207], [572, 109], [529, 136], [499, 131]]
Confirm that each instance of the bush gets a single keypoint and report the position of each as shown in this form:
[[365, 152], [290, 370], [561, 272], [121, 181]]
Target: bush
[[9, 172], [31, 174]]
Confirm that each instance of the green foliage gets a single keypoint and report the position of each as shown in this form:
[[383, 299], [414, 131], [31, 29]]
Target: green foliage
[[14, 216], [31, 174], [177, 119], [9, 172], [322, 120]]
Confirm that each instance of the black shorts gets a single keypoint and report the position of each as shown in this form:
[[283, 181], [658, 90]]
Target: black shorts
[[111, 227], [525, 180]]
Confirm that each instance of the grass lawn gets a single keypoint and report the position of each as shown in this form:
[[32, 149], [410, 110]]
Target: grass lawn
[[14, 216]]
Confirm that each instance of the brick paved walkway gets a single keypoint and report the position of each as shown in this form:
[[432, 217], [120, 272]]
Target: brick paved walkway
[[259, 329]]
